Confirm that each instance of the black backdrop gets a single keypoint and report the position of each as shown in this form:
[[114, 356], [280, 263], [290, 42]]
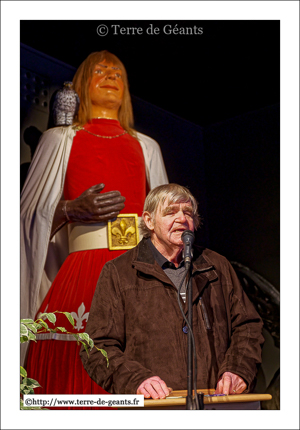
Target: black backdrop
[[229, 69]]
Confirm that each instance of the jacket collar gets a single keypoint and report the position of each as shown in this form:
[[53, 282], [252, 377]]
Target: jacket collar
[[144, 261]]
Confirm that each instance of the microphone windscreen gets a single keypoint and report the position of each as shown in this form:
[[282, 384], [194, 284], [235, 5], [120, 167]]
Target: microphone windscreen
[[188, 237]]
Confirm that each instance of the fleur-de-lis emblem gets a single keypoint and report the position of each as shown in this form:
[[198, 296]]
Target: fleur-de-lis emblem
[[80, 317], [123, 233]]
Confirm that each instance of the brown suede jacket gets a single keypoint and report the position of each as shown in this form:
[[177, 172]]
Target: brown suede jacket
[[136, 318]]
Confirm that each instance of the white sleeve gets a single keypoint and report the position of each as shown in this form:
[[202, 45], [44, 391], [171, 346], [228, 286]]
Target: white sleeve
[[41, 193], [155, 169]]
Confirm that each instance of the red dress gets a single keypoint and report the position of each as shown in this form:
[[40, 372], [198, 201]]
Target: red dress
[[119, 164]]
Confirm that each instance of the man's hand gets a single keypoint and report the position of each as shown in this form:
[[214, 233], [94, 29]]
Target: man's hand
[[230, 383], [154, 387]]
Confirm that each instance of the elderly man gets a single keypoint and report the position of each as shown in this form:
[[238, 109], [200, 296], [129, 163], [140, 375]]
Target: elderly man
[[136, 318]]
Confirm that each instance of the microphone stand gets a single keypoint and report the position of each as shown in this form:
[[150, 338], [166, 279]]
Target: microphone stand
[[196, 401], [189, 399], [192, 402]]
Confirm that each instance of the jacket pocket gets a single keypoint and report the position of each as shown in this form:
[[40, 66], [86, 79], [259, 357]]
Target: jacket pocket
[[204, 314]]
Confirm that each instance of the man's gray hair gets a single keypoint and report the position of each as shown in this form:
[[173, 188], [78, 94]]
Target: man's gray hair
[[173, 193]]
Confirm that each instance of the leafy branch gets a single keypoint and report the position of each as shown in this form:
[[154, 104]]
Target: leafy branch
[[29, 329], [27, 387]]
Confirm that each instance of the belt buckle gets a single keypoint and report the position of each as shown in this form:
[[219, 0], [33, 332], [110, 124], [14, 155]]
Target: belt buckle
[[123, 232]]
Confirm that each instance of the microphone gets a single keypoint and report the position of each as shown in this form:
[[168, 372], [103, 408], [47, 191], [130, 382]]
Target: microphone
[[188, 239]]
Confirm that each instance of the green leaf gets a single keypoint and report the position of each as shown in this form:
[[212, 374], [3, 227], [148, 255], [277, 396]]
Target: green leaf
[[105, 355], [32, 383], [27, 391], [76, 337], [24, 339], [23, 330], [31, 336], [84, 336], [61, 329], [22, 387], [70, 318], [32, 327], [41, 316], [23, 372], [27, 321], [43, 323], [51, 317], [86, 348]]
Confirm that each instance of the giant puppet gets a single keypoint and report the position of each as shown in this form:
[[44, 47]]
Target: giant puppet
[[81, 178]]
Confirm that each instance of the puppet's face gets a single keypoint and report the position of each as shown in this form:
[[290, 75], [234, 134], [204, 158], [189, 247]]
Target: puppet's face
[[106, 86]]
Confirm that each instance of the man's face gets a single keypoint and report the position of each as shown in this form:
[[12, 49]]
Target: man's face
[[106, 86], [171, 220]]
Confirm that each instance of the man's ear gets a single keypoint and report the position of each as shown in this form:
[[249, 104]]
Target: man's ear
[[148, 220]]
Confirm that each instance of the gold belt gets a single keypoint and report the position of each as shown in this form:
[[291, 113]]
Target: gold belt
[[121, 233]]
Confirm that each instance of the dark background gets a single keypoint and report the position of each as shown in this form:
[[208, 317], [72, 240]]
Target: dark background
[[230, 69], [211, 100]]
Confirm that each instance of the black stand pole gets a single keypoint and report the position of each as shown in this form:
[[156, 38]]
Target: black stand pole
[[192, 402], [189, 399]]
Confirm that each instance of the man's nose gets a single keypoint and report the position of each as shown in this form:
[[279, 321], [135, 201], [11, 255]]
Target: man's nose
[[181, 216]]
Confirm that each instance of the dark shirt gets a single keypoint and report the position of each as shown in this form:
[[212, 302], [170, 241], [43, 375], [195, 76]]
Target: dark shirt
[[175, 274]]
